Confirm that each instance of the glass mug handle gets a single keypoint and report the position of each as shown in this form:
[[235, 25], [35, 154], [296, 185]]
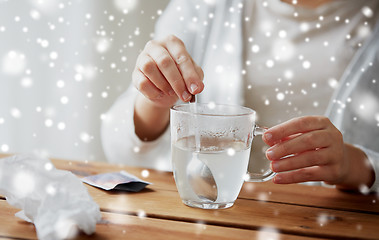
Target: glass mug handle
[[268, 174]]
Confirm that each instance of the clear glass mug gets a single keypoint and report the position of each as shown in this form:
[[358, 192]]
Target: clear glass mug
[[210, 147]]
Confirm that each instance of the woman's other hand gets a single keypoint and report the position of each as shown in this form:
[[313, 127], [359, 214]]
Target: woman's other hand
[[311, 148]]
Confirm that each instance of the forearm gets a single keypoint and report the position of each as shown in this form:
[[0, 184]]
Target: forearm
[[150, 121], [360, 174]]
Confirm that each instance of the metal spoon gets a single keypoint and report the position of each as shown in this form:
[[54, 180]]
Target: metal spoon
[[201, 179], [199, 175]]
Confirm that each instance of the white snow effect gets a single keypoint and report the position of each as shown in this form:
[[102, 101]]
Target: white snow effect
[[60, 84], [231, 151], [26, 82], [103, 45], [333, 83], [13, 63], [367, 11], [283, 49], [255, 48], [64, 100], [2, 121], [85, 137], [322, 219], [288, 74], [270, 63], [66, 229], [366, 106], [280, 96], [23, 183], [306, 64], [145, 173], [61, 126], [4, 148], [49, 122], [268, 233], [141, 213], [16, 113], [125, 5], [210, 2]]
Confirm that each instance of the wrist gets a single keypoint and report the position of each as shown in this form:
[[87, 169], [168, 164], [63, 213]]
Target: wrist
[[360, 173], [150, 120]]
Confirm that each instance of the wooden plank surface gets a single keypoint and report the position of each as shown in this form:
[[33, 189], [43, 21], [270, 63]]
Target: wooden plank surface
[[291, 209], [295, 193], [120, 226]]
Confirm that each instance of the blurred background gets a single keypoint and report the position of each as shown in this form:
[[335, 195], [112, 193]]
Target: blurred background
[[62, 65]]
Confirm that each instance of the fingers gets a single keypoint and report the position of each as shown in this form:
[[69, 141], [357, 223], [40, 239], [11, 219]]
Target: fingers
[[147, 66], [302, 175], [145, 86], [188, 69], [170, 68], [295, 126], [166, 65], [307, 159], [299, 144]]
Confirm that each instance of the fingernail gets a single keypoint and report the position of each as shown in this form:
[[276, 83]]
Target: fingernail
[[277, 179], [274, 166], [270, 154], [193, 88], [171, 93], [267, 136], [186, 96]]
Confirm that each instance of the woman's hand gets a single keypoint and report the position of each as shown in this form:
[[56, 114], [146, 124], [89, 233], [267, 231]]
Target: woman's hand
[[311, 148], [164, 73]]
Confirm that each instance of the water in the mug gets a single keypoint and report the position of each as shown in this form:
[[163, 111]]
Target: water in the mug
[[226, 158]]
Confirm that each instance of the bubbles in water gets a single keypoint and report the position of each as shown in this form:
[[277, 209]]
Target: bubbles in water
[[13, 63]]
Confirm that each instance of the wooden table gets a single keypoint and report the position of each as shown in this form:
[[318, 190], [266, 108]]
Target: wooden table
[[262, 211]]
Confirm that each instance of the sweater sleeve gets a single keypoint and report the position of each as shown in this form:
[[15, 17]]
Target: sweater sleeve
[[120, 143], [373, 158]]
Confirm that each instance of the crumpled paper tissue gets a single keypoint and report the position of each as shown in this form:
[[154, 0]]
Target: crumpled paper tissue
[[56, 201]]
